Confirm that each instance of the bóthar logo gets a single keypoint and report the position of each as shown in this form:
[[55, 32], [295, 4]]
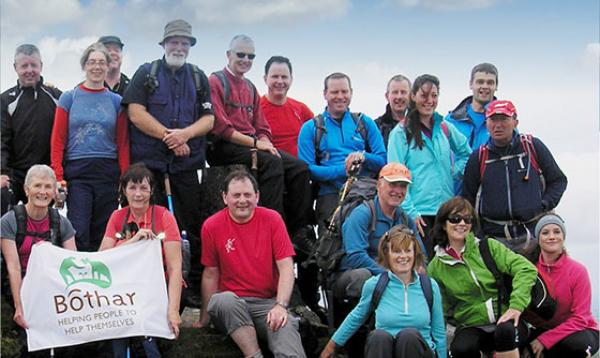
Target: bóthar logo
[[85, 270]]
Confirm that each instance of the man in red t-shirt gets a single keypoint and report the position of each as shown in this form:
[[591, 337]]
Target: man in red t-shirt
[[249, 276], [284, 114]]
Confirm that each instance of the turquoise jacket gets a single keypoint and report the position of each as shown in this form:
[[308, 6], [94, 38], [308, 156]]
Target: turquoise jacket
[[433, 168], [401, 306], [469, 289]]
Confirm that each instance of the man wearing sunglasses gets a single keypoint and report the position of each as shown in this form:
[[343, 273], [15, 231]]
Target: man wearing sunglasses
[[512, 180], [242, 135]]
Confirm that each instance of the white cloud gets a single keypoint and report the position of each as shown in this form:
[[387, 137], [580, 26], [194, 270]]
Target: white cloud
[[20, 19], [445, 5], [61, 60], [591, 56]]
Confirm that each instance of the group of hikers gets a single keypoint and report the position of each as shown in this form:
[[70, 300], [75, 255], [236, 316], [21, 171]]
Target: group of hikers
[[448, 193]]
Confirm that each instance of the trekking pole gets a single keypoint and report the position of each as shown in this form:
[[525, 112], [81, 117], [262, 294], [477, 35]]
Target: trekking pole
[[185, 243]]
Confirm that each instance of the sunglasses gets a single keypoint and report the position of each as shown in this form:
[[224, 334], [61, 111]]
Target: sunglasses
[[456, 219], [241, 55]]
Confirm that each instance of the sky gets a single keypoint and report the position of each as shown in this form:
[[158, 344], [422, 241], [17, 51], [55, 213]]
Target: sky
[[547, 54]]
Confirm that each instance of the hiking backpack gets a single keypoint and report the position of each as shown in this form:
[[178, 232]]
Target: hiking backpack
[[227, 92], [53, 234], [152, 82], [381, 285], [329, 247], [542, 303], [320, 130], [528, 149]]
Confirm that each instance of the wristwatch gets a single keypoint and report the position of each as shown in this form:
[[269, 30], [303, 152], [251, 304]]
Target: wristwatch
[[282, 304]]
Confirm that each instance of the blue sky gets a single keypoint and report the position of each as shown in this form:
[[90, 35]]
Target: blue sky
[[547, 53]]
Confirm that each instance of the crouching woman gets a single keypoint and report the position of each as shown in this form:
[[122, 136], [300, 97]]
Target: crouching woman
[[404, 324]]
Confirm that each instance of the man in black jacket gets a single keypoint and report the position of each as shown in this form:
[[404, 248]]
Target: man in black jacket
[[512, 180], [27, 120]]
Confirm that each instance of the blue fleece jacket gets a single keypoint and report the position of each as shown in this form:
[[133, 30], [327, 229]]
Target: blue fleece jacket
[[401, 306], [337, 142], [433, 168], [360, 246]]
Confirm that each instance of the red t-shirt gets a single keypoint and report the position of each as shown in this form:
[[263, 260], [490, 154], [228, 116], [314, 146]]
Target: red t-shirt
[[285, 122], [246, 254], [164, 222]]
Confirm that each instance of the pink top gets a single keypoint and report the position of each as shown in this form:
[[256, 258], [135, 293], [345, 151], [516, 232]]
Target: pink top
[[570, 282]]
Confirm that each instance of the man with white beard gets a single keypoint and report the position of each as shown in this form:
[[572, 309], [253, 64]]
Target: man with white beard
[[169, 105]]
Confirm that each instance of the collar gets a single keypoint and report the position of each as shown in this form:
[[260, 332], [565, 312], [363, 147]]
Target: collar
[[36, 87], [557, 265]]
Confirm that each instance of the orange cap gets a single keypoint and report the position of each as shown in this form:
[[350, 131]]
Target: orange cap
[[393, 172]]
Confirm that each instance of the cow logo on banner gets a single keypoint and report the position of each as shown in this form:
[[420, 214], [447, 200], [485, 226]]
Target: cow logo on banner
[[77, 297], [94, 272]]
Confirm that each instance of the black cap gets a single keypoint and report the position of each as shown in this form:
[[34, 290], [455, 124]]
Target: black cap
[[111, 39]]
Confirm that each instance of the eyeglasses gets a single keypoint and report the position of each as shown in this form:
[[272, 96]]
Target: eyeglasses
[[93, 63], [456, 219], [397, 231], [241, 55]]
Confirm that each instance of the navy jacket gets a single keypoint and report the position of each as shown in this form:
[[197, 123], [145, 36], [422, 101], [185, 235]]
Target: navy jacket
[[505, 193]]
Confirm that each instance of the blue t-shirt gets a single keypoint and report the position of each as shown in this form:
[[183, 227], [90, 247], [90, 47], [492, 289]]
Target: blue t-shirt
[[92, 123]]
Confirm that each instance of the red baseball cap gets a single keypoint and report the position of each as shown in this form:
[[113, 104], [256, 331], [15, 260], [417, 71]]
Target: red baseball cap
[[504, 107]]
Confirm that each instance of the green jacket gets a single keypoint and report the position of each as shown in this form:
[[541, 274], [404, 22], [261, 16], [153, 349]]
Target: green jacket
[[469, 289]]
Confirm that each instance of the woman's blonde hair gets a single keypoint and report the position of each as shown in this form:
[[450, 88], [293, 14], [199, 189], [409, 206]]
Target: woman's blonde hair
[[399, 238]]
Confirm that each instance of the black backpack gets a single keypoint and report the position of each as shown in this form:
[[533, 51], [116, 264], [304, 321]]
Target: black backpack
[[320, 130], [53, 234], [152, 82], [227, 92], [542, 304], [329, 248], [381, 285]]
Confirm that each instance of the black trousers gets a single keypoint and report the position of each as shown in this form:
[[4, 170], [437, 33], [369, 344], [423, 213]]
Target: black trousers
[[408, 343], [578, 344], [187, 196], [16, 194], [276, 176], [470, 341]]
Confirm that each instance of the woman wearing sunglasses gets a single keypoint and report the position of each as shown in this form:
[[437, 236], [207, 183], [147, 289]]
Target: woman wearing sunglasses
[[404, 324], [433, 150], [573, 330], [469, 289], [142, 220]]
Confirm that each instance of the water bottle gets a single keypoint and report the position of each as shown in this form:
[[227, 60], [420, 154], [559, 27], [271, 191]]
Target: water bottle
[[185, 254]]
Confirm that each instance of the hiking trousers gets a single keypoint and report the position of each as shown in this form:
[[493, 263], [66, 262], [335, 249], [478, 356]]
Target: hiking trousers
[[408, 343], [229, 312]]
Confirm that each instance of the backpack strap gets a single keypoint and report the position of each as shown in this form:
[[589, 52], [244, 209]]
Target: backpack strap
[[427, 291], [55, 234], [319, 131], [227, 92], [361, 129], [151, 79], [484, 153], [21, 217], [371, 204], [380, 287], [488, 260], [445, 129], [529, 149]]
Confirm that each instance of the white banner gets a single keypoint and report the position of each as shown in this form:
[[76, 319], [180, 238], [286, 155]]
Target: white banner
[[76, 297]]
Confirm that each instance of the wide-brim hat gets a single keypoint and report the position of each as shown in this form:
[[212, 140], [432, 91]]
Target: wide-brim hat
[[178, 28]]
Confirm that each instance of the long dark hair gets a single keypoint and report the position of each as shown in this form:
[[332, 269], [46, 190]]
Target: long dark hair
[[453, 206], [413, 124]]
